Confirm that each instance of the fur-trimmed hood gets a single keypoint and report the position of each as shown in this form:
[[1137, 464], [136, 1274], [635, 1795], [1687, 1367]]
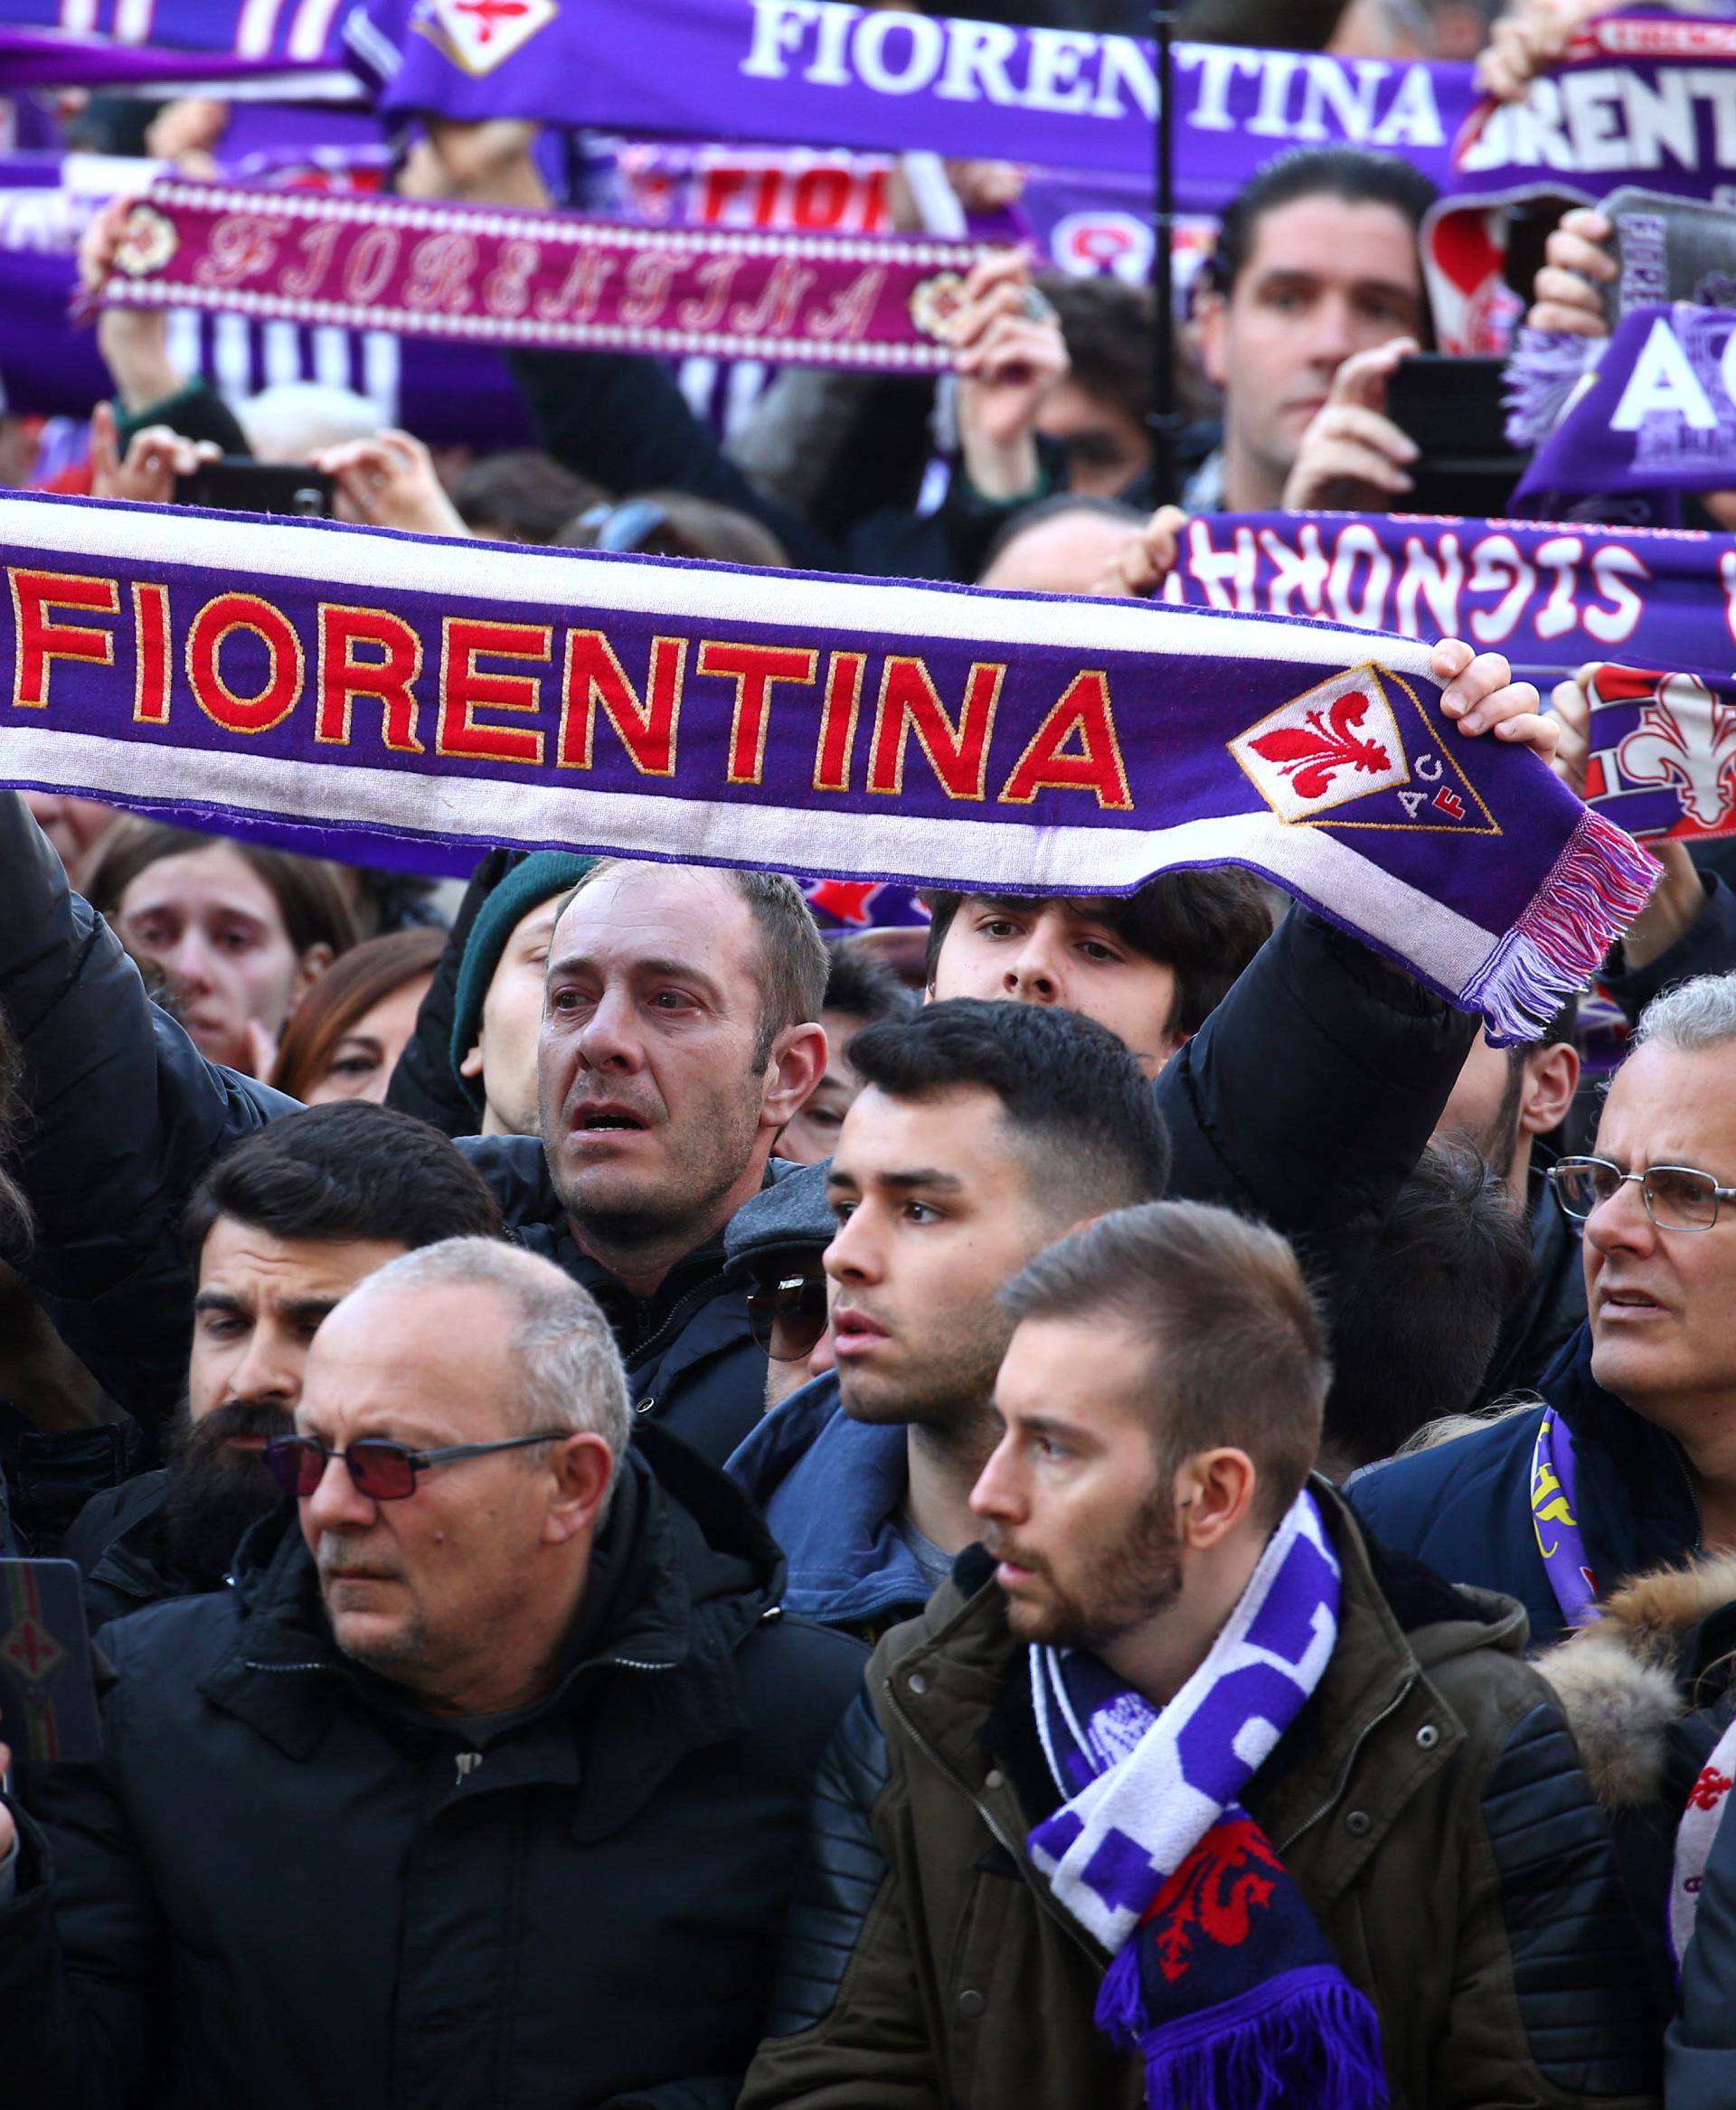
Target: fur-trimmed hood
[[1627, 1681]]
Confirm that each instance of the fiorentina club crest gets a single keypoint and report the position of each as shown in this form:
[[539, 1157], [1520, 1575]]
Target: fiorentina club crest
[[1662, 758], [1360, 739], [481, 34]]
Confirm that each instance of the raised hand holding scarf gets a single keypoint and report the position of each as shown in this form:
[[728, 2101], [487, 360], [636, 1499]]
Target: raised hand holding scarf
[[1220, 1976]]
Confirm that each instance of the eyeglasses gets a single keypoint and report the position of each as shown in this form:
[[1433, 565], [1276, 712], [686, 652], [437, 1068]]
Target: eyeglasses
[[379, 1468], [1677, 1198], [789, 1316]]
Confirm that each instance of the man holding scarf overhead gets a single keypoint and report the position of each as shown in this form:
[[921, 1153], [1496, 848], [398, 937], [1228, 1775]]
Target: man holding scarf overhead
[[1182, 1794]]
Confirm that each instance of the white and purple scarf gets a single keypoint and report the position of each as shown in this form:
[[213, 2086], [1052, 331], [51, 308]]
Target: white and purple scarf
[[354, 688], [1219, 1977]]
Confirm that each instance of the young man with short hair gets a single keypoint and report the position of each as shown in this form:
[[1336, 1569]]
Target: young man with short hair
[[1181, 1792], [1151, 966], [981, 1131]]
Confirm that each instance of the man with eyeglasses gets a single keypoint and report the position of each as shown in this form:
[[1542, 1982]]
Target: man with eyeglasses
[[483, 1785], [1630, 1460]]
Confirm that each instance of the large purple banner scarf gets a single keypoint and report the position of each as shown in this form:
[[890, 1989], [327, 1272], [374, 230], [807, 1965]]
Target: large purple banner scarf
[[1550, 596], [473, 694], [874, 302]]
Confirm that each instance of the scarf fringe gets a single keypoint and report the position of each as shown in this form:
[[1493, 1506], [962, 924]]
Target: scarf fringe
[[1308, 2040], [1598, 884], [1541, 373]]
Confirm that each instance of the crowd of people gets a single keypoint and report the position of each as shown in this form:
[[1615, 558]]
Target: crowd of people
[[687, 1498]]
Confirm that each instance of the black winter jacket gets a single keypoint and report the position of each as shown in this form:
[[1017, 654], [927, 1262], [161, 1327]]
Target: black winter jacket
[[285, 1885], [117, 1542]]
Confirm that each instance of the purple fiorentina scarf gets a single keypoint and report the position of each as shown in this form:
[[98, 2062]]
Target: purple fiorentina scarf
[[792, 72], [1644, 101], [1655, 409], [1550, 596], [1554, 1518], [874, 302], [459, 693], [1219, 1977]]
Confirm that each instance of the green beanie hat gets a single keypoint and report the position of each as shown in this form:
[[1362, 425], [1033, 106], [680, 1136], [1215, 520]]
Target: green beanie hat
[[541, 876]]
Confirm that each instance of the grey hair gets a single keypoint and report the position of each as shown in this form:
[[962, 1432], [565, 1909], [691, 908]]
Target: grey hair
[[1696, 1015], [569, 1368]]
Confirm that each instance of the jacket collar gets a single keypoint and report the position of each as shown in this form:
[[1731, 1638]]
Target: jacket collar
[[831, 1489], [1636, 1501], [648, 1673]]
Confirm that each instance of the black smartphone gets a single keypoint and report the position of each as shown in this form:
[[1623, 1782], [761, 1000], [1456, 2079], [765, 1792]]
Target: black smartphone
[[236, 483], [1453, 410], [47, 1695]]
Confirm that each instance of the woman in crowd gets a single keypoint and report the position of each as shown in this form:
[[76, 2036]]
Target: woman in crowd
[[239, 934], [344, 1039]]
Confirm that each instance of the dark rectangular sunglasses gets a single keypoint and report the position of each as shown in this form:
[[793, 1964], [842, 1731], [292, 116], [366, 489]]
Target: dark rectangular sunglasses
[[377, 1468], [789, 1316]]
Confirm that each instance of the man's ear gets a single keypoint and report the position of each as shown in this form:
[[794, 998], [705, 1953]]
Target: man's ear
[[797, 1064], [472, 1064], [1552, 1078], [1214, 1491], [583, 1468], [1211, 321]]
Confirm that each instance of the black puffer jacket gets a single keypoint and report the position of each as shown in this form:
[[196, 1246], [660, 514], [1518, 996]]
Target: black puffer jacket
[[285, 1885]]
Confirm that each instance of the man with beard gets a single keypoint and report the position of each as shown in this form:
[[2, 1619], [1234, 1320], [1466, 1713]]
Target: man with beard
[[679, 1034], [283, 1227], [1183, 1792]]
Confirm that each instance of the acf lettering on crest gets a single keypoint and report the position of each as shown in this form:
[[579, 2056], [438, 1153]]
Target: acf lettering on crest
[[559, 696]]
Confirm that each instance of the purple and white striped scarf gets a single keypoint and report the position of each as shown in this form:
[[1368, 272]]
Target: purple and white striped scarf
[[1220, 1976], [449, 695]]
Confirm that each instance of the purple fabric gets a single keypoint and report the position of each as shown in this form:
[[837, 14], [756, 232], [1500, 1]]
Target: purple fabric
[[1658, 412], [1555, 1519], [1651, 102], [789, 72], [299, 30], [625, 716], [1550, 596], [548, 280], [41, 59]]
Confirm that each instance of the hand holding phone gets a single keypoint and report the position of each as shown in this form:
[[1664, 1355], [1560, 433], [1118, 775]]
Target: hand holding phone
[[236, 483]]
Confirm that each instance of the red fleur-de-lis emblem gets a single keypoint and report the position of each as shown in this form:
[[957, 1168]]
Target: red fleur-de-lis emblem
[[1215, 1894], [1710, 1789], [1311, 754]]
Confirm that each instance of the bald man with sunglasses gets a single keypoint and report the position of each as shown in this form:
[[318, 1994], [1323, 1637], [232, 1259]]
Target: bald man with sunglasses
[[483, 1785]]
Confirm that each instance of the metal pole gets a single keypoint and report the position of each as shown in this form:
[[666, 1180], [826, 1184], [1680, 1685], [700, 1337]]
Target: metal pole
[[1165, 419]]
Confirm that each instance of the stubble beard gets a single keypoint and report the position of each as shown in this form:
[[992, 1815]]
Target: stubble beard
[[1123, 1588]]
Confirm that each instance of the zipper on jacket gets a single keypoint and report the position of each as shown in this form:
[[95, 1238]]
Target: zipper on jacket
[[1368, 1729], [1022, 1861], [695, 1300]]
